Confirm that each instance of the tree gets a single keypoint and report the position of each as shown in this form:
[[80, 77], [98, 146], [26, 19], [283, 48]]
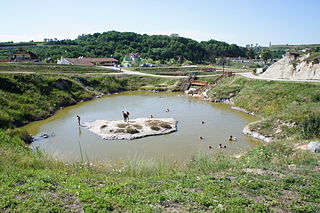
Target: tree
[[265, 55], [250, 53]]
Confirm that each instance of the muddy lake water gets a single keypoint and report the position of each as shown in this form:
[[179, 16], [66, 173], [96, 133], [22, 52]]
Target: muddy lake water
[[69, 142]]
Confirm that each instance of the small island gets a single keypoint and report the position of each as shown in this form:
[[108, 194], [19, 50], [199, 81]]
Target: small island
[[135, 128]]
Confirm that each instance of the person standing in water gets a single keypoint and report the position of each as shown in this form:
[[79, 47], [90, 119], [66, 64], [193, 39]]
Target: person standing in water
[[124, 116], [78, 117], [127, 113]]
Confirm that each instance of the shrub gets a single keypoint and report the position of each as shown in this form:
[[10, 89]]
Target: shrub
[[22, 134], [310, 128]]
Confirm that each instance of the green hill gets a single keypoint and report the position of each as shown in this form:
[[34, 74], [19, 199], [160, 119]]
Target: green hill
[[118, 44]]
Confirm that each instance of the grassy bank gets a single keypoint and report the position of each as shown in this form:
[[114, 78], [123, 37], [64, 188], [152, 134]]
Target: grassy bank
[[26, 98], [275, 177], [290, 110], [272, 178], [52, 68]]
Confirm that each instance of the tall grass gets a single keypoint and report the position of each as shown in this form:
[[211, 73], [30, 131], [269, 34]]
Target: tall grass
[[311, 127]]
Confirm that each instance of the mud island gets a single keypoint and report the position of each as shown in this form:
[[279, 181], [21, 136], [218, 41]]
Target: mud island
[[135, 128]]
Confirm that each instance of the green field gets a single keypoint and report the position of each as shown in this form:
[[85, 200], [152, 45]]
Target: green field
[[274, 177]]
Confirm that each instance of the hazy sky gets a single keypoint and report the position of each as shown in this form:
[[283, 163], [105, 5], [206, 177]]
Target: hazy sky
[[234, 21]]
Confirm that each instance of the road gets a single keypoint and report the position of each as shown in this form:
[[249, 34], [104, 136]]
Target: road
[[129, 72]]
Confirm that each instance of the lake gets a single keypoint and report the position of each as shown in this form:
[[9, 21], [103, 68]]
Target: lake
[[71, 143]]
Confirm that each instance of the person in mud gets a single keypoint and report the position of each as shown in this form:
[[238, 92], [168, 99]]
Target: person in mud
[[78, 117], [125, 117]]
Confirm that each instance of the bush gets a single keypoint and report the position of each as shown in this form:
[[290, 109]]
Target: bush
[[22, 134], [310, 128]]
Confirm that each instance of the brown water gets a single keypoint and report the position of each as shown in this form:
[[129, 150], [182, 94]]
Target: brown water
[[72, 143]]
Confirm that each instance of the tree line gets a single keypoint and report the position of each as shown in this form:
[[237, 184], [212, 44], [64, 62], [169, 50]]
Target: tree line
[[156, 47]]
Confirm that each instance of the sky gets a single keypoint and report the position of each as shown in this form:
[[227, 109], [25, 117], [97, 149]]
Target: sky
[[234, 21]]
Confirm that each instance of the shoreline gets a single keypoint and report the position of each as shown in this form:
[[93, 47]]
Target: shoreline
[[246, 130], [227, 101]]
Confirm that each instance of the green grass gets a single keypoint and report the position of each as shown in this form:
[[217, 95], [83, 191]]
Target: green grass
[[269, 178], [27, 97], [52, 68], [274, 177], [150, 83], [285, 106]]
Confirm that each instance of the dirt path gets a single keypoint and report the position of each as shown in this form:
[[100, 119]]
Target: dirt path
[[250, 75], [129, 72]]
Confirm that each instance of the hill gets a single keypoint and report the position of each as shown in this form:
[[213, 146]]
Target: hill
[[118, 44]]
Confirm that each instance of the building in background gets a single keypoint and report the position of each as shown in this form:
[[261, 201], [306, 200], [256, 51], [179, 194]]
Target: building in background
[[88, 61], [22, 55]]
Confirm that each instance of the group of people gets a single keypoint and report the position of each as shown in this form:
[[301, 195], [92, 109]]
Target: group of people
[[231, 138], [125, 116], [220, 146]]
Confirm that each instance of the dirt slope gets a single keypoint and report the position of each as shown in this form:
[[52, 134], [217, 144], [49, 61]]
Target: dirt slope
[[294, 66]]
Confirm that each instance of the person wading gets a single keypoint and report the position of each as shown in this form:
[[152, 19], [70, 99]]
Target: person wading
[[125, 116], [78, 117]]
